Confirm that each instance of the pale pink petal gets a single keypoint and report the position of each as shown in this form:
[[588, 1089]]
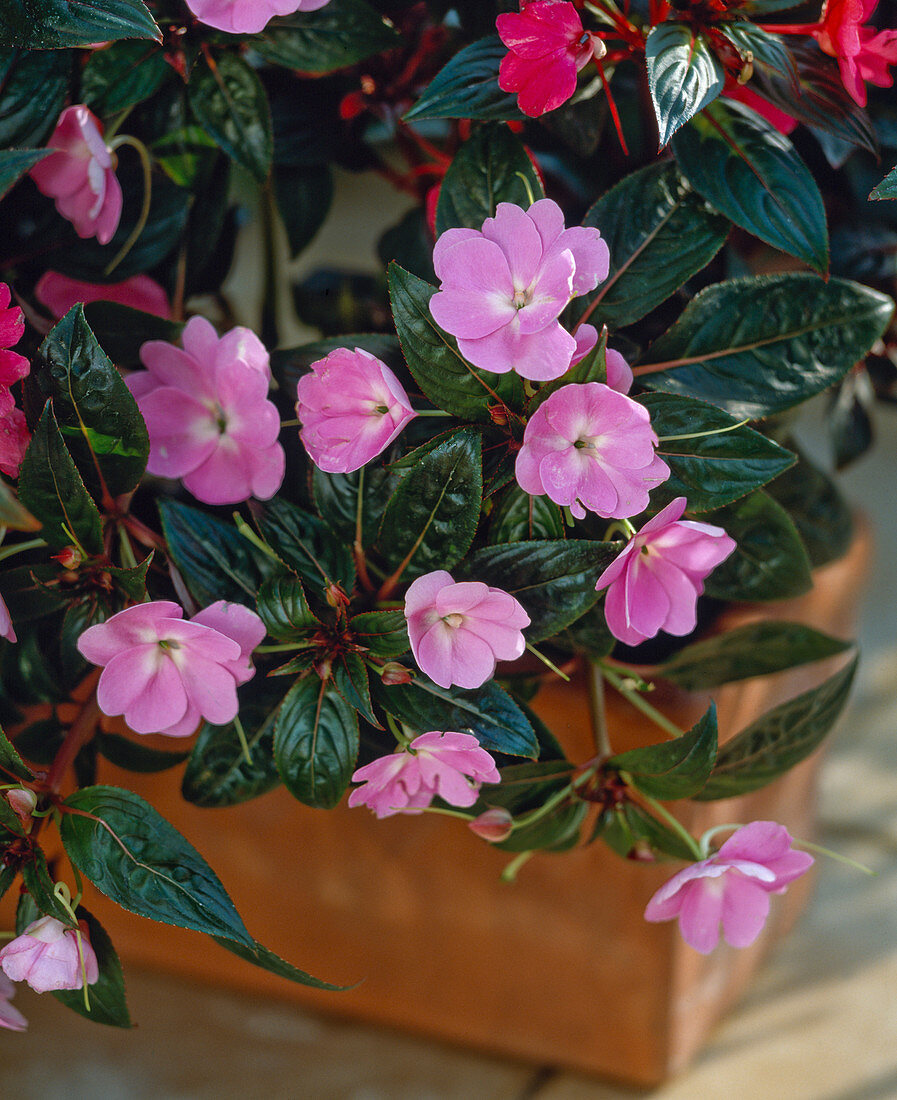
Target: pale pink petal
[[745, 909]]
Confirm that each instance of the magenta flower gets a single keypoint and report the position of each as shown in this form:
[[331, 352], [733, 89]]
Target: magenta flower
[[10, 1017], [548, 48], [731, 888], [208, 415], [591, 448], [165, 673], [459, 630], [503, 288], [448, 765], [13, 366], [80, 175], [863, 54], [655, 582], [247, 16], [59, 293], [14, 440], [351, 407], [46, 957]]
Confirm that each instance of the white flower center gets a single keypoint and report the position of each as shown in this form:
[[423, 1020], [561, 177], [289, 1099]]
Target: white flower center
[[454, 620]]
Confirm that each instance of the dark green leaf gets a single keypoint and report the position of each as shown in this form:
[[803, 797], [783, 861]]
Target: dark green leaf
[[769, 561], [267, 960], [555, 581], [40, 741], [10, 822], [136, 858], [759, 345], [289, 364], [134, 757], [486, 171], [183, 153], [33, 87], [521, 517], [778, 739], [334, 37], [714, 469], [755, 44], [122, 331], [308, 545], [122, 75], [818, 510], [589, 635], [52, 490], [336, 498], [659, 233], [673, 769], [132, 581], [432, 517], [284, 609], [304, 195], [7, 877], [751, 173], [350, 678], [97, 415], [757, 649], [684, 75], [382, 633], [37, 881], [315, 743], [628, 828], [467, 87], [46, 24], [14, 163], [230, 104], [11, 764], [887, 189]]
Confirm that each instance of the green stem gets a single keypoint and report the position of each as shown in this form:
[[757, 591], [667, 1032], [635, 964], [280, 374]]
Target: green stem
[[673, 822], [147, 167], [247, 532], [835, 855], [597, 710], [528, 186], [546, 661], [127, 551], [700, 435], [290, 423], [241, 734], [20, 547], [447, 813], [430, 412], [280, 647], [509, 874], [619, 682]]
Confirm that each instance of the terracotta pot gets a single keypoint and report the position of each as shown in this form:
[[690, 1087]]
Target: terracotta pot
[[558, 968]]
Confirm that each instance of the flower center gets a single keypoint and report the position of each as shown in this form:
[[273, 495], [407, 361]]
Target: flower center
[[454, 620], [522, 298], [168, 643]]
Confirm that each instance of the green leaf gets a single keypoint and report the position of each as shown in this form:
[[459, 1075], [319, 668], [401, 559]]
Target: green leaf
[[755, 44], [315, 743], [769, 561], [52, 490], [122, 75], [521, 517], [97, 415], [132, 581], [820, 513], [382, 633], [37, 881], [757, 649], [760, 345], [134, 757], [887, 189], [467, 87], [47, 24], [304, 195], [213, 557], [673, 769], [334, 37], [11, 764], [555, 581], [122, 331], [267, 960], [350, 678], [432, 517], [136, 858], [486, 171], [778, 739], [440, 370], [307, 545], [230, 103], [33, 89], [488, 712], [659, 233], [751, 173], [714, 469], [284, 609], [628, 827], [336, 499], [14, 163], [7, 877], [684, 75]]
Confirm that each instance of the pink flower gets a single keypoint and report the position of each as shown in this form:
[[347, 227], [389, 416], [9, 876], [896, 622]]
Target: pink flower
[[619, 372], [448, 765], [80, 175], [23, 802], [165, 673], [10, 1017], [6, 627], [208, 415], [352, 407], [459, 630], [13, 366], [503, 288], [247, 16], [14, 440], [732, 887], [655, 582], [589, 447], [46, 957], [862, 52], [59, 293], [494, 825], [548, 48]]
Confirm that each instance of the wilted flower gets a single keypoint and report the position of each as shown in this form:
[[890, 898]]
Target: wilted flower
[[208, 415], [59, 293], [247, 16], [10, 1017], [731, 888], [165, 673], [503, 288], [46, 957], [459, 630], [589, 447], [80, 175], [448, 765], [351, 407], [655, 582]]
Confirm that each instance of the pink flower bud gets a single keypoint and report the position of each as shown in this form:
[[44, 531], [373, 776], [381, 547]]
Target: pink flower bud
[[494, 825], [393, 673], [46, 957], [23, 802], [69, 557]]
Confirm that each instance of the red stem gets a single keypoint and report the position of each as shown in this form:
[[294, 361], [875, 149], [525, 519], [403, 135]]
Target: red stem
[[81, 731]]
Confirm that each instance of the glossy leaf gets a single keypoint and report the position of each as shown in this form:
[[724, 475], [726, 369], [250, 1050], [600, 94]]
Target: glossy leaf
[[284, 609], [467, 87], [627, 829], [659, 233], [230, 104], [136, 858], [684, 75], [307, 545], [521, 517], [14, 163], [37, 881], [122, 75], [760, 345], [12, 766], [336, 499], [751, 173], [351, 680], [315, 743], [132, 756], [887, 189], [334, 37], [779, 739], [432, 517], [485, 171], [672, 769], [48, 24], [260, 956], [382, 633], [33, 87], [757, 45]]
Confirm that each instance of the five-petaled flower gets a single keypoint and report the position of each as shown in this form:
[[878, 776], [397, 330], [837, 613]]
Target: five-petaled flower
[[655, 582], [731, 888], [351, 407], [46, 956], [164, 673], [863, 53], [458, 630], [247, 16], [448, 765]]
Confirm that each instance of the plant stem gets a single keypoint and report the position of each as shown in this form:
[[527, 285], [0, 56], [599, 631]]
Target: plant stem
[[241, 734], [619, 682], [146, 165], [509, 874], [674, 823], [77, 737], [20, 547], [546, 661], [597, 710]]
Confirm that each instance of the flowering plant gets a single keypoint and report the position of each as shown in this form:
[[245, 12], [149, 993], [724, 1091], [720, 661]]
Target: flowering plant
[[556, 435]]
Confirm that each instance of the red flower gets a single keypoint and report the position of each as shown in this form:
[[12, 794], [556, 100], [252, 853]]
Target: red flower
[[862, 52]]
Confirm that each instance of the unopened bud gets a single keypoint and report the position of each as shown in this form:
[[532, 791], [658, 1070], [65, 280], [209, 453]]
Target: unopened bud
[[494, 825], [23, 802], [69, 557], [324, 667], [393, 673], [498, 414], [641, 852], [335, 596]]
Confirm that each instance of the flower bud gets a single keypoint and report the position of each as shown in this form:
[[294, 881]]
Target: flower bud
[[336, 596], [641, 852], [69, 557], [23, 802], [494, 825], [393, 673]]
